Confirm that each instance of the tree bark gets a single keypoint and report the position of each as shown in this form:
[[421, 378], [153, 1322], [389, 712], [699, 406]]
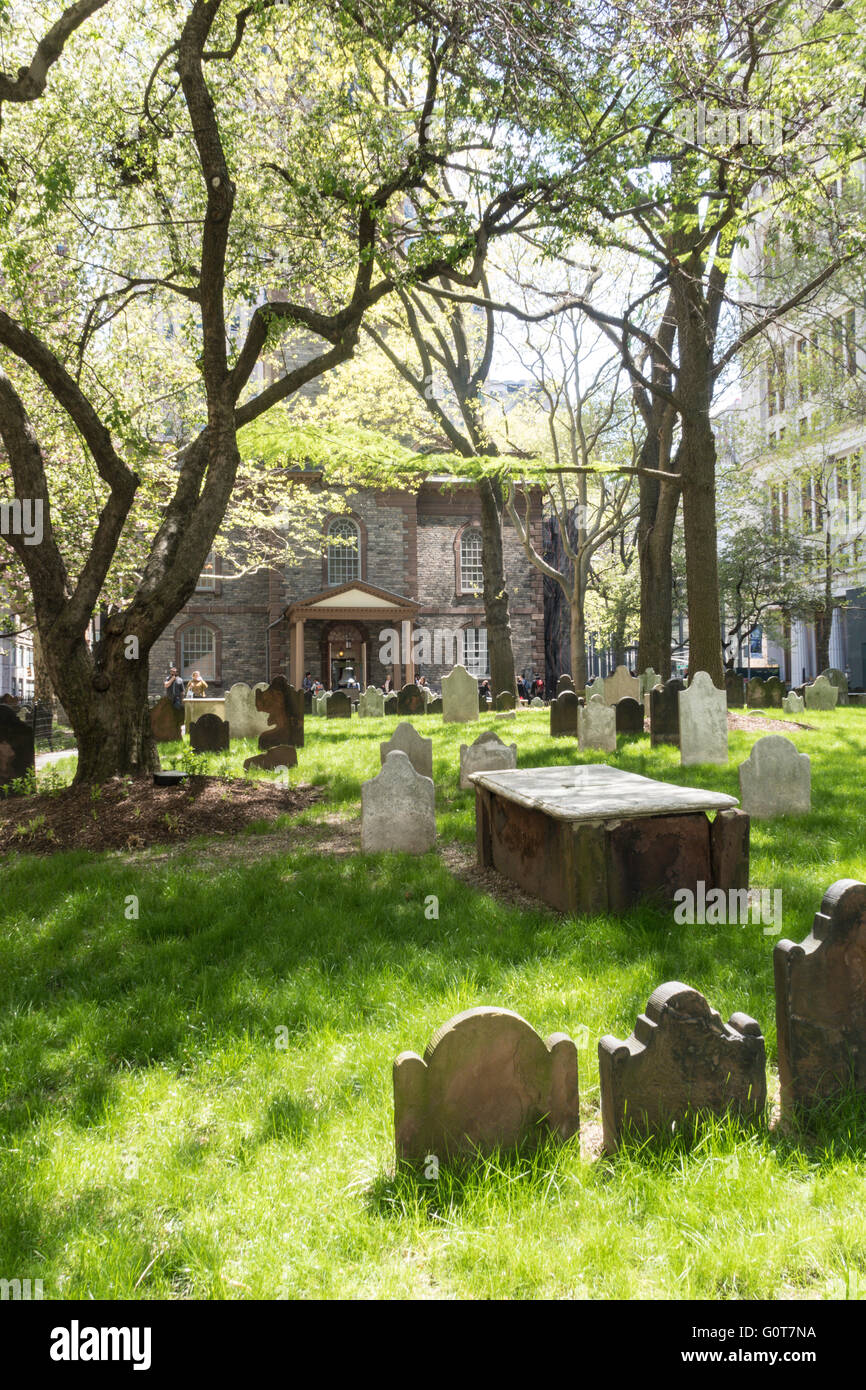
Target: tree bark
[[500, 651], [578, 640], [659, 502]]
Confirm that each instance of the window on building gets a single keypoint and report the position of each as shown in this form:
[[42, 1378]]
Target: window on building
[[344, 550], [471, 569], [756, 641], [207, 578], [198, 652], [475, 650]]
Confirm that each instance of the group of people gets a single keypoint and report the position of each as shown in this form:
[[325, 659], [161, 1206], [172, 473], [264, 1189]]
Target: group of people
[[177, 692], [196, 688]]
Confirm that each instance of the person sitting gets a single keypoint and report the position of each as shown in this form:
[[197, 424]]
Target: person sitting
[[197, 687], [308, 683]]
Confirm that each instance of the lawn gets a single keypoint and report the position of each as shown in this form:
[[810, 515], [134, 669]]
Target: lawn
[[196, 1100]]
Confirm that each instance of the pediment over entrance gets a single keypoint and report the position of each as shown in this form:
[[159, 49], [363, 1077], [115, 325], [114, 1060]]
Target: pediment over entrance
[[355, 599]]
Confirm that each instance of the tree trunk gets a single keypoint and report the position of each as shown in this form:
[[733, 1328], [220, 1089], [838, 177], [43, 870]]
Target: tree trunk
[[578, 640], [659, 502], [500, 652], [106, 703], [702, 569], [43, 691]]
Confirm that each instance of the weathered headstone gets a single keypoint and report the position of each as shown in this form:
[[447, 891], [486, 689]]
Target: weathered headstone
[[595, 687], [703, 722], [339, 706], [241, 714], [629, 716], [418, 750], [775, 780], [371, 704], [434, 706], [459, 697], [596, 725], [391, 703], [774, 692], [680, 1062], [308, 702], [756, 695], [665, 712], [563, 715], [505, 700], [647, 680], [166, 721], [17, 748], [284, 706], [282, 755], [398, 809], [410, 700], [735, 690], [209, 734], [487, 754], [620, 686], [821, 1001], [536, 703], [793, 704], [564, 683], [487, 1081], [840, 680], [821, 695]]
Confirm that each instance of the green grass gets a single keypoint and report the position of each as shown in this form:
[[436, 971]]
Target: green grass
[[156, 1140]]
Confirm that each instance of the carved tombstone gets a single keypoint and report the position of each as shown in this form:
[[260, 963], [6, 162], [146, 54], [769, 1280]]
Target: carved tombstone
[[563, 715], [17, 747], [564, 683], [281, 755], [596, 725], [840, 680], [793, 704], [284, 706], [536, 702], [459, 697], [486, 1081], [209, 734], [756, 694], [647, 680], [165, 721], [735, 690], [595, 687], [418, 750], [410, 700], [821, 694], [775, 780], [774, 692], [371, 704], [629, 716], [821, 1001], [398, 809], [339, 706], [391, 703], [434, 706], [703, 722], [244, 720], [620, 686], [680, 1061], [665, 712], [505, 700], [487, 754]]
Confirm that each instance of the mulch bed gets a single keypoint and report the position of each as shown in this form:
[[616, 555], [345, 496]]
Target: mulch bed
[[133, 814]]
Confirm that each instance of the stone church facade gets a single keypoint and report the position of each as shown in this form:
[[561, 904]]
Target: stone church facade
[[394, 588]]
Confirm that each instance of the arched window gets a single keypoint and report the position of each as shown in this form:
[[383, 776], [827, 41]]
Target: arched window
[[344, 550], [471, 571], [198, 652]]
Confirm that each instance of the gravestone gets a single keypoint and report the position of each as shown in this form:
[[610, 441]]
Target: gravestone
[[459, 697], [564, 683], [391, 703], [595, 687], [17, 747], [320, 702], [563, 715], [735, 690], [410, 700], [629, 716], [596, 725], [840, 680], [821, 695], [665, 712], [621, 685], [209, 734], [756, 695], [398, 809], [505, 700], [371, 704], [821, 1001], [793, 704], [338, 706], [703, 722], [775, 780], [434, 706], [418, 750], [536, 703], [308, 702], [165, 721], [281, 755], [284, 706], [505, 714], [487, 1081], [487, 754], [647, 679], [240, 712], [680, 1062], [774, 692]]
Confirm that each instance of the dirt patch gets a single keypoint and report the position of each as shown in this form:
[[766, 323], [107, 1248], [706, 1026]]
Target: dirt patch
[[463, 864], [134, 814], [756, 723]]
